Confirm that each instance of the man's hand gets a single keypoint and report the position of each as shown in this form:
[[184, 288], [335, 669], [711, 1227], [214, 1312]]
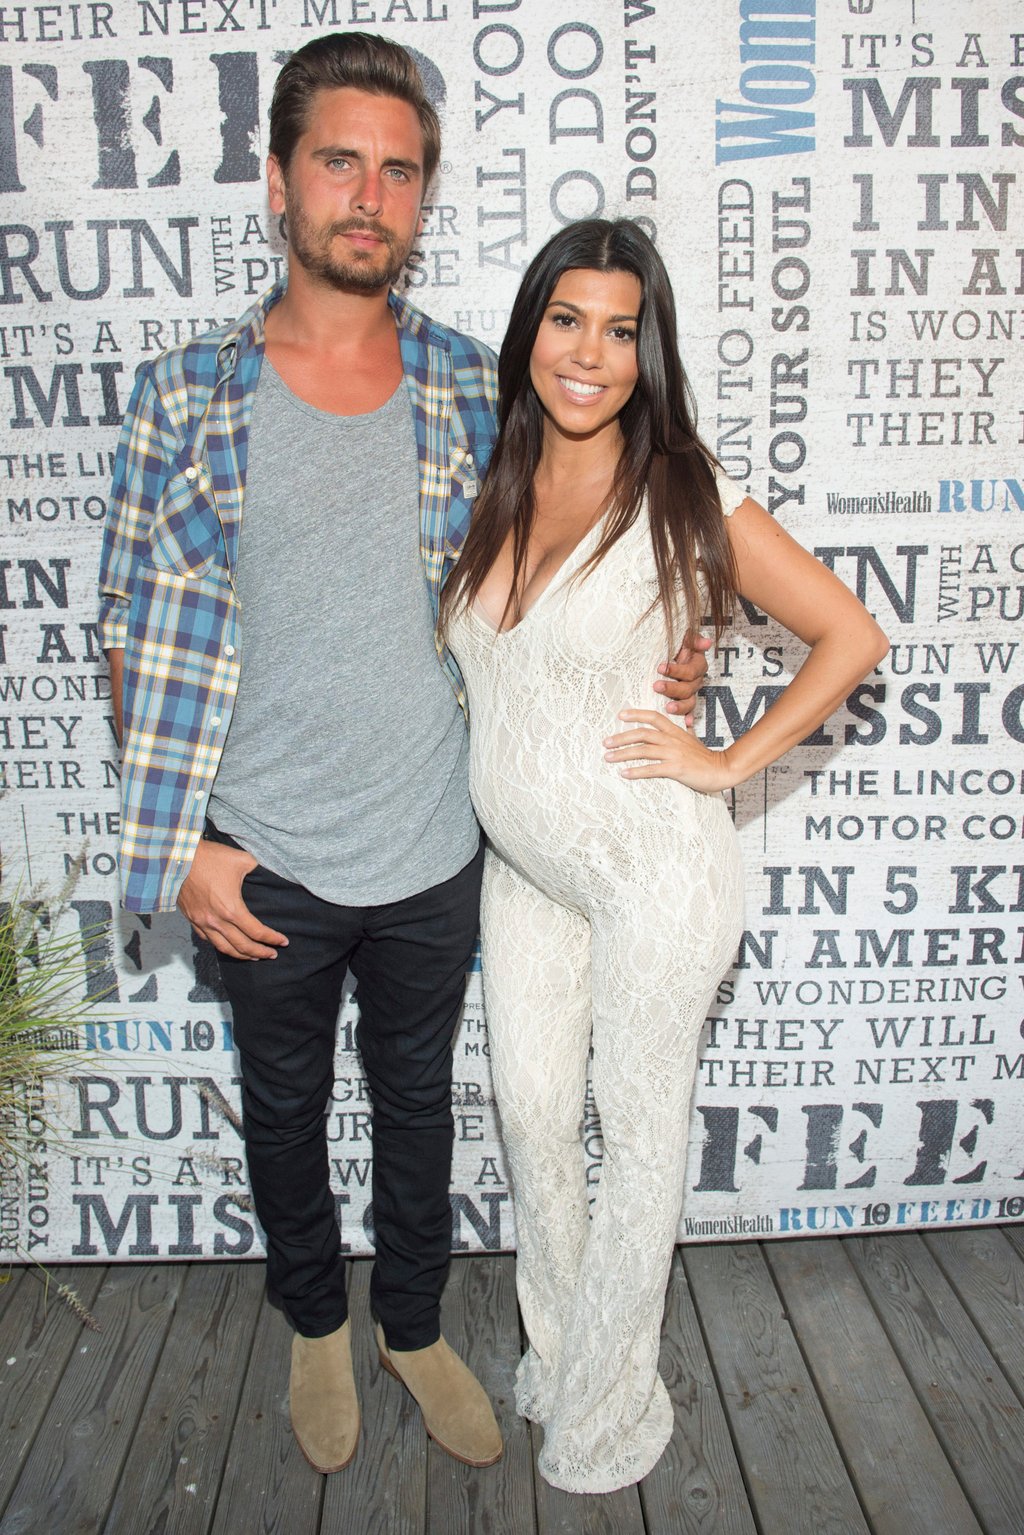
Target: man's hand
[[211, 899], [682, 677]]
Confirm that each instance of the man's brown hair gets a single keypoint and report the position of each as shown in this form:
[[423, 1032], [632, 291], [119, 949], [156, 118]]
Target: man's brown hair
[[361, 61]]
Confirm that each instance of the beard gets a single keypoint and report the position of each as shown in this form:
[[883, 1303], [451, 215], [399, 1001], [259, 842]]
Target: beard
[[365, 271]]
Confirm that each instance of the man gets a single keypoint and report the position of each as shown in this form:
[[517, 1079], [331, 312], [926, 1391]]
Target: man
[[323, 765]]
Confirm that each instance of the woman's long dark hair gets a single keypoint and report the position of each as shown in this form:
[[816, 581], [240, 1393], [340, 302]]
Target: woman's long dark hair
[[662, 455]]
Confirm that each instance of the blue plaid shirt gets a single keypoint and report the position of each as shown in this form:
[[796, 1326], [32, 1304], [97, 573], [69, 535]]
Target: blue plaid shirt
[[170, 550]]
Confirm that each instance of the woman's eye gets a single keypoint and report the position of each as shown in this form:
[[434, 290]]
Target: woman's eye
[[623, 333]]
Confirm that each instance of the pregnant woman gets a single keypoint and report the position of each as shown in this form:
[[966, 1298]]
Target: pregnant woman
[[612, 889]]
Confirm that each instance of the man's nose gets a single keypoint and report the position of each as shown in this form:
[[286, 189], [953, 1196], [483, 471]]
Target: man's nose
[[368, 198]]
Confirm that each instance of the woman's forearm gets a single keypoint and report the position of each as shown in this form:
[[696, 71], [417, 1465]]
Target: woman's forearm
[[844, 644], [835, 664]]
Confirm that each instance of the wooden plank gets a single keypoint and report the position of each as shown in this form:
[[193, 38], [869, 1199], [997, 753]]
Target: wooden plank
[[480, 1319], [696, 1488], [172, 1476], [384, 1490], [904, 1481], [987, 1273], [951, 1303], [38, 1332], [71, 1472], [1015, 1236], [972, 1409], [268, 1488], [795, 1476]]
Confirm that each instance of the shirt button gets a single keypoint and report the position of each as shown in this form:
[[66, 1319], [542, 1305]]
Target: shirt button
[[191, 472], [469, 458], [216, 720], [229, 650], [199, 793]]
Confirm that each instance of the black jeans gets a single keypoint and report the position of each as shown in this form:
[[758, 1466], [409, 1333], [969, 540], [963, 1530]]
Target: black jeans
[[409, 959]]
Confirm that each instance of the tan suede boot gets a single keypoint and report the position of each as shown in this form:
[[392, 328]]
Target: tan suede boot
[[322, 1393], [456, 1412]]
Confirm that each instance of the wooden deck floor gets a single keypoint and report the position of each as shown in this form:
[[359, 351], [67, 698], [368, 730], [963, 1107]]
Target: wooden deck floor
[[825, 1386]]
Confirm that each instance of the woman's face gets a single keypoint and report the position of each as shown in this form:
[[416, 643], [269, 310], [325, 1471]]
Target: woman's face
[[583, 364]]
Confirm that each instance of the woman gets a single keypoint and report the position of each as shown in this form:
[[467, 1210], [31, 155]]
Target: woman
[[612, 890]]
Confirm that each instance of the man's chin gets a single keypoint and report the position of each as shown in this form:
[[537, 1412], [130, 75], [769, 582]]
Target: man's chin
[[357, 277], [359, 282]]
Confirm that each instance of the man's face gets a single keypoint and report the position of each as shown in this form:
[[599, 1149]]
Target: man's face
[[353, 189]]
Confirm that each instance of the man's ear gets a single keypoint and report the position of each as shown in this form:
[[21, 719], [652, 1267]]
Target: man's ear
[[275, 185]]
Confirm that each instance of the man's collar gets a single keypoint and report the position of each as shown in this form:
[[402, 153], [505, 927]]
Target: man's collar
[[247, 331], [418, 324]]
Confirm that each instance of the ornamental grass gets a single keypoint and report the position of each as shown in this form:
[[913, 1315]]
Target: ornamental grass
[[43, 1005]]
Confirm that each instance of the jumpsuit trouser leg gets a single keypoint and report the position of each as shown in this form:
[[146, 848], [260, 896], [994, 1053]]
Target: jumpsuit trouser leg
[[593, 1293]]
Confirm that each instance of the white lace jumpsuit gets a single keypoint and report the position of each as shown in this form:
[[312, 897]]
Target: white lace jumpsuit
[[611, 910]]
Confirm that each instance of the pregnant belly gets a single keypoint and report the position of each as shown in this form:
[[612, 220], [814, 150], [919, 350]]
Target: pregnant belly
[[561, 813]]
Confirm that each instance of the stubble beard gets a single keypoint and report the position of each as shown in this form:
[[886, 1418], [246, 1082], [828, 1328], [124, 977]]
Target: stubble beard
[[363, 271]]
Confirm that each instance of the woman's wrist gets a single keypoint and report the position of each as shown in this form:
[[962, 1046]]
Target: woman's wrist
[[732, 772]]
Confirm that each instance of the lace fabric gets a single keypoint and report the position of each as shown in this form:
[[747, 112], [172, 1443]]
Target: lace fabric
[[611, 909]]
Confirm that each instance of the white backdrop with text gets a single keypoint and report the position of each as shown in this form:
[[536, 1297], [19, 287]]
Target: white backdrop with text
[[836, 186]]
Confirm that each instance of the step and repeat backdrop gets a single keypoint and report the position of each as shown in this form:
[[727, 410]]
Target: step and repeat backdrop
[[838, 189]]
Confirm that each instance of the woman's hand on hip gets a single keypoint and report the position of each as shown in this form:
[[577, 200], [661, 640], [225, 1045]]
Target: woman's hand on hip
[[655, 747]]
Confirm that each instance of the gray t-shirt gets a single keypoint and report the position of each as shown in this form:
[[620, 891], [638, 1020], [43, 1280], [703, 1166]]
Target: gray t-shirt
[[345, 767]]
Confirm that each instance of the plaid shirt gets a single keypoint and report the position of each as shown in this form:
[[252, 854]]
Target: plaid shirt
[[170, 550]]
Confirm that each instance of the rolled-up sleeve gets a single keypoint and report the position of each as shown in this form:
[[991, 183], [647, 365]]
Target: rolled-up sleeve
[[142, 467]]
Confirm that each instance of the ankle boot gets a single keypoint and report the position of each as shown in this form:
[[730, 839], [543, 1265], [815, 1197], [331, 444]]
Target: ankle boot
[[322, 1394], [456, 1412]]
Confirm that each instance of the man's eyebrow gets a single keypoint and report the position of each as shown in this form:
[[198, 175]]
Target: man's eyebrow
[[336, 152], [563, 303]]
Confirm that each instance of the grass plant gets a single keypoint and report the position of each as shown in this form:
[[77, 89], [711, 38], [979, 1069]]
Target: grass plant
[[43, 1004]]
